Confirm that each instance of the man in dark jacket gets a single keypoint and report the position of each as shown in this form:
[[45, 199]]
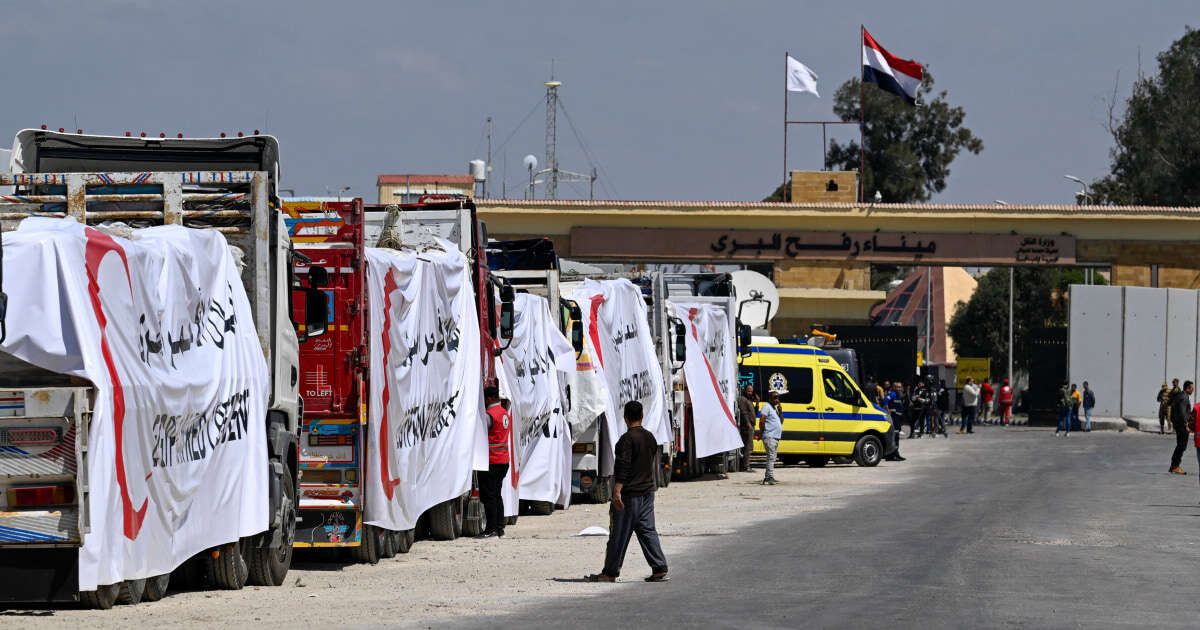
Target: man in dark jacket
[[632, 509], [1181, 412], [746, 416]]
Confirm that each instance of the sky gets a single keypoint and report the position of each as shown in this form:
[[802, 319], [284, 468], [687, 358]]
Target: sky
[[672, 100]]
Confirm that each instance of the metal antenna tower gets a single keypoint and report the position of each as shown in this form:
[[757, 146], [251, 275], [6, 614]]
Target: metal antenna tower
[[552, 136]]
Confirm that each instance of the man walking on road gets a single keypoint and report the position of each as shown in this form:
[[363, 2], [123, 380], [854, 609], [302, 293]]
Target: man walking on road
[[986, 393], [970, 405], [632, 510], [770, 429], [745, 409], [1181, 411], [1089, 402], [1005, 402], [499, 425]]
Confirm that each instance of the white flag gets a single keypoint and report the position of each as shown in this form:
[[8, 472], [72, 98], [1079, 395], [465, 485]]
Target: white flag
[[800, 78]]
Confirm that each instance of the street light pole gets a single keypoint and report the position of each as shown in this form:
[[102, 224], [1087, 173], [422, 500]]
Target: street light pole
[[1087, 197]]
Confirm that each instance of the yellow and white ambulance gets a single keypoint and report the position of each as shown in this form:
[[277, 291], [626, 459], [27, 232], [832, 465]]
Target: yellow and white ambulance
[[824, 412]]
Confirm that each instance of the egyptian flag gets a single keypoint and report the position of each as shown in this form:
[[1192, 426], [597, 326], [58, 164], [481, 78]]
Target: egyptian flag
[[900, 76]]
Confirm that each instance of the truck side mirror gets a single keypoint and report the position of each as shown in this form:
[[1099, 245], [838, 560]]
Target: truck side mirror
[[576, 316], [743, 339], [316, 312], [680, 342], [507, 311]]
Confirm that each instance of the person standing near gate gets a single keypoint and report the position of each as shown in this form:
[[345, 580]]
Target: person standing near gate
[[1065, 403], [986, 394], [1005, 401], [1076, 403], [894, 403], [499, 425], [970, 405], [1164, 407], [1089, 402], [1181, 412], [632, 510], [770, 429]]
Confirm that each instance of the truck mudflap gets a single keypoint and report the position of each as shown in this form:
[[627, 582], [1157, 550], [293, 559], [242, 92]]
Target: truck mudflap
[[39, 575], [329, 528]]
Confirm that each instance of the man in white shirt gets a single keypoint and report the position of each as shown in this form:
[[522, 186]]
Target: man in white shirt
[[970, 406], [770, 429]]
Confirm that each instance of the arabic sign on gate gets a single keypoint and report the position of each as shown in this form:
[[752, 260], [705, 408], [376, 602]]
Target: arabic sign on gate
[[704, 244], [979, 368]]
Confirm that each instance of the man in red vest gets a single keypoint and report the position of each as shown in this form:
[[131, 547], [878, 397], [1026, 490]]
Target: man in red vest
[[1005, 400], [499, 425]]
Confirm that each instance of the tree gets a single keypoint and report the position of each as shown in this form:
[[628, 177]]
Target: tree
[[1156, 153], [909, 149], [979, 327]]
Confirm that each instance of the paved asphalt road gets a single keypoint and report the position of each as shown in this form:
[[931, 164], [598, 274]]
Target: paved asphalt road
[[1011, 528]]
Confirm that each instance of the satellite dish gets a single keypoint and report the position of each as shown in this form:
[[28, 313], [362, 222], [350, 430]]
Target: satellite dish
[[757, 297], [530, 162]]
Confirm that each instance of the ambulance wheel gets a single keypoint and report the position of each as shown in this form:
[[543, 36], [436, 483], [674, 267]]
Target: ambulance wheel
[[102, 598], [404, 541], [156, 588], [869, 451], [445, 520], [227, 566], [817, 461], [131, 591], [269, 566], [368, 548]]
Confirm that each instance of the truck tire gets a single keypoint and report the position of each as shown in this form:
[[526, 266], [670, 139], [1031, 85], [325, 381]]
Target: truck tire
[[600, 491], [156, 588], [386, 542], [475, 520], [869, 451], [227, 566], [102, 598], [269, 567], [367, 550], [541, 508], [510, 520], [131, 592], [445, 520], [404, 541], [817, 461]]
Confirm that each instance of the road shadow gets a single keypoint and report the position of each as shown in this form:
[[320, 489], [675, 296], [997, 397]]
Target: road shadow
[[574, 581]]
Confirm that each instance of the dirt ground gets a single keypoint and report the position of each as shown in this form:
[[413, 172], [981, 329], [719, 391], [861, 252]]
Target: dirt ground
[[540, 557]]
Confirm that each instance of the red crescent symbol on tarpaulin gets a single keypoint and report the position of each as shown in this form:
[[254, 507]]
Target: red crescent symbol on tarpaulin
[[593, 331], [385, 439], [711, 375], [98, 246]]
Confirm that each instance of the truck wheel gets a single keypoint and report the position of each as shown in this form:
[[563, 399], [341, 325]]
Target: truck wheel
[[475, 520], [386, 542], [102, 598], [368, 547], [156, 588], [131, 591], [510, 520], [445, 520], [404, 541], [227, 566], [268, 567], [816, 461], [541, 508], [600, 492], [868, 451]]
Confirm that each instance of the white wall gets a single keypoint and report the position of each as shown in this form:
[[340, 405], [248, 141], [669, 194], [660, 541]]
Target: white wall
[[1094, 353]]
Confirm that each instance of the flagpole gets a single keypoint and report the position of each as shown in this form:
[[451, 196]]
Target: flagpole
[[862, 115], [785, 195]]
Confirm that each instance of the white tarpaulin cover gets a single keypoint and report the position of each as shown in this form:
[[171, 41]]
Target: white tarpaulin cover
[[533, 375], [425, 425], [710, 371], [162, 327], [622, 349]]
